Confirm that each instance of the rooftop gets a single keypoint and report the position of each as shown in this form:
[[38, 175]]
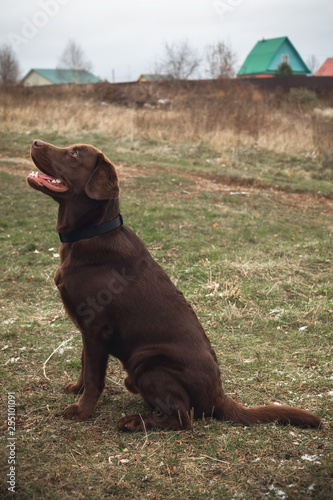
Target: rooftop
[[58, 76]]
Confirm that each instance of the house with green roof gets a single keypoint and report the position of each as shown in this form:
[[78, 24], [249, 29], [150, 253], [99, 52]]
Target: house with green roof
[[37, 77], [267, 55]]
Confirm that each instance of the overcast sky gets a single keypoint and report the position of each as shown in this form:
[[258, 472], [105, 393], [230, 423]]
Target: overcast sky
[[127, 36]]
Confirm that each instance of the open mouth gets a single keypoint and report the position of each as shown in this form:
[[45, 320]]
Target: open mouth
[[48, 181]]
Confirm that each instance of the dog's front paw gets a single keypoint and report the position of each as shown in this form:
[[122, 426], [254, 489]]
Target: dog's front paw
[[75, 412], [73, 388], [131, 423]]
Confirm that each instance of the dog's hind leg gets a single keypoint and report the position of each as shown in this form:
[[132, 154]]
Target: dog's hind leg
[[169, 400]]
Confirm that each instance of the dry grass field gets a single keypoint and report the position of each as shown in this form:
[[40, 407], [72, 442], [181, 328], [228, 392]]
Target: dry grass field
[[232, 192], [225, 117]]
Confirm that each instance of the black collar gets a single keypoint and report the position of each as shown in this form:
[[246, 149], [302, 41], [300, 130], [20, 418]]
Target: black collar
[[84, 234]]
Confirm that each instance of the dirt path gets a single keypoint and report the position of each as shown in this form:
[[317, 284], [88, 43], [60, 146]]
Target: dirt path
[[200, 182], [305, 200]]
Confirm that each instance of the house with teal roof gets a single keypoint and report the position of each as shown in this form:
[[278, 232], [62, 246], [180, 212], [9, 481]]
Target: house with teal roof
[[267, 55], [37, 77]]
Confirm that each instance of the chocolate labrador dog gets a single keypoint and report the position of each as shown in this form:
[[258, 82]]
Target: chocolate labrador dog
[[125, 305]]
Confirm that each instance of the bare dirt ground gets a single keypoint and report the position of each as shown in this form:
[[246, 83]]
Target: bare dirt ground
[[200, 182]]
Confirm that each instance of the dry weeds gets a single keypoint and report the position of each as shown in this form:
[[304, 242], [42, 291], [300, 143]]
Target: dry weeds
[[225, 118]]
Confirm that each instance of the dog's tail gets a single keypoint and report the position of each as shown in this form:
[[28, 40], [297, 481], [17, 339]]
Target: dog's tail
[[235, 412]]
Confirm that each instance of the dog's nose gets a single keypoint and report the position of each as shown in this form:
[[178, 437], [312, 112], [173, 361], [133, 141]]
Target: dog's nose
[[37, 143]]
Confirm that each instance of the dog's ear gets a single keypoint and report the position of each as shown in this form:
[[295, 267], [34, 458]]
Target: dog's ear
[[103, 183]]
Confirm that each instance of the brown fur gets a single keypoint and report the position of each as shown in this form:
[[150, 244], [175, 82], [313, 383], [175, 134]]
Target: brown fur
[[125, 305]]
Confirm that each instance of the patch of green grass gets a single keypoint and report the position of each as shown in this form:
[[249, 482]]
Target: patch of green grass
[[257, 270], [250, 165]]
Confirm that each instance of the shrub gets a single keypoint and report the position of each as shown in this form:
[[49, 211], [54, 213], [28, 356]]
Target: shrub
[[284, 70], [303, 97]]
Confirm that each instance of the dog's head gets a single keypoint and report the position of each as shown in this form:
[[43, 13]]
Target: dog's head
[[78, 170]]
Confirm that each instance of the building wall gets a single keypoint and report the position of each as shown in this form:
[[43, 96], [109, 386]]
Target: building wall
[[35, 79], [294, 62]]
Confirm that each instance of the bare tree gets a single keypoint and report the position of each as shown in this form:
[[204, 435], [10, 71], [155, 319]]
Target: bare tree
[[220, 61], [179, 60], [9, 66], [73, 58], [312, 63]]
